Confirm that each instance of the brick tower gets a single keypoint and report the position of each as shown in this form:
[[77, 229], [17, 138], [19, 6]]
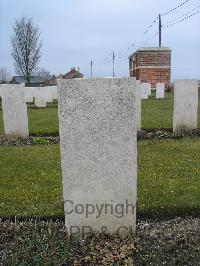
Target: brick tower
[[151, 65]]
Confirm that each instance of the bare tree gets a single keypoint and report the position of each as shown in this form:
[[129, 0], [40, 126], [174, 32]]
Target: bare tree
[[45, 74], [4, 75], [26, 47]]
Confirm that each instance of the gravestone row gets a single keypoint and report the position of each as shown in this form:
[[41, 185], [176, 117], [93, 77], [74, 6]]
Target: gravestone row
[[98, 123], [14, 98]]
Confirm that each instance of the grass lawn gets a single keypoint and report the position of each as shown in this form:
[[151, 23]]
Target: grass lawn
[[168, 178], [43, 120], [155, 114], [158, 113]]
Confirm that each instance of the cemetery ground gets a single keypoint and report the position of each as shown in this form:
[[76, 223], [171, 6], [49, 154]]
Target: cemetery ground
[[168, 211], [155, 114]]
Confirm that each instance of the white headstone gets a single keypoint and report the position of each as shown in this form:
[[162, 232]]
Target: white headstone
[[97, 119], [40, 99], [47, 93], [29, 95], [145, 91], [185, 104], [149, 88], [54, 93], [14, 108], [138, 105], [160, 91]]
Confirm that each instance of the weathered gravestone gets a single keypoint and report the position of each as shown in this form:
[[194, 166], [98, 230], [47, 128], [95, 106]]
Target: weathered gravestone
[[14, 107], [97, 120], [160, 91], [185, 104]]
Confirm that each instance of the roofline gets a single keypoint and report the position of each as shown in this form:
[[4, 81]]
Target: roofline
[[151, 49]]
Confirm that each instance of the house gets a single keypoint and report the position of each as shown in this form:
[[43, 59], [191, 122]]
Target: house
[[151, 65], [36, 81], [73, 74]]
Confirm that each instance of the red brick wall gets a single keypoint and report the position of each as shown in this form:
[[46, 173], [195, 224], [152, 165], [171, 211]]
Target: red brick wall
[[153, 76], [152, 66], [153, 58]]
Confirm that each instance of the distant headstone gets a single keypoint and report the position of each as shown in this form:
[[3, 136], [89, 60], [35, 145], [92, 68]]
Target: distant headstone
[[138, 105], [97, 119], [145, 90], [185, 104], [160, 91], [149, 88], [40, 99], [54, 93], [48, 93], [14, 107], [29, 95]]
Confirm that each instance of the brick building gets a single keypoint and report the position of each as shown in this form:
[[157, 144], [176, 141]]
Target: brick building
[[151, 65], [73, 74]]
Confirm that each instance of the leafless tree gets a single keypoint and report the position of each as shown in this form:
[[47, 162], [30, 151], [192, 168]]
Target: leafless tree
[[45, 74], [4, 75], [26, 47]]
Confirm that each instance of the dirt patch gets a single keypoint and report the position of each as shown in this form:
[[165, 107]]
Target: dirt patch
[[53, 138], [171, 242]]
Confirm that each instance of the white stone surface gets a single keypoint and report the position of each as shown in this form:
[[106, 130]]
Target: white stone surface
[[54, 93], [48, 94], [97, 120], [40, 98], [29, 95], [185, 104], [149, 88], [14, 108], [138, 105], [160, 91], [145, 91]]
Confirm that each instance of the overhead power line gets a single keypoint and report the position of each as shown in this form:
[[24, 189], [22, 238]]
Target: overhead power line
[[174, 20], [121, 54], [168, 12], [140, 38], [168, 26]]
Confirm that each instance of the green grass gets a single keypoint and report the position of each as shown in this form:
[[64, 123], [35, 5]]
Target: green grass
[[159, 113], [30, 181], [155, 114], [168, 178], [43, 120]]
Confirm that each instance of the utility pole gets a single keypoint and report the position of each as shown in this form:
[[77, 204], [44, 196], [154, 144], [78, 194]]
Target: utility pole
[[113, 64], [91, 65], [160, 31]]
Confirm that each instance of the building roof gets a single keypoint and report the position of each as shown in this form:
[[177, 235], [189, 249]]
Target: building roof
[[34, 79], [151, 49], [143, 49], [73, 73]]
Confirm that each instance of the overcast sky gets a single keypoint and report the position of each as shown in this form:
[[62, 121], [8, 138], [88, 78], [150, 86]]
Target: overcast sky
[[74, 32]]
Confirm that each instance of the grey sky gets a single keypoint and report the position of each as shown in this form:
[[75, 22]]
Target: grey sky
[[77, 31]]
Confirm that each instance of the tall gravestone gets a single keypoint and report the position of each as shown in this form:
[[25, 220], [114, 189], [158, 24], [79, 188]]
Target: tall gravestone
[[97, 120], [14, 107], [185, 104], [160, 91]]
